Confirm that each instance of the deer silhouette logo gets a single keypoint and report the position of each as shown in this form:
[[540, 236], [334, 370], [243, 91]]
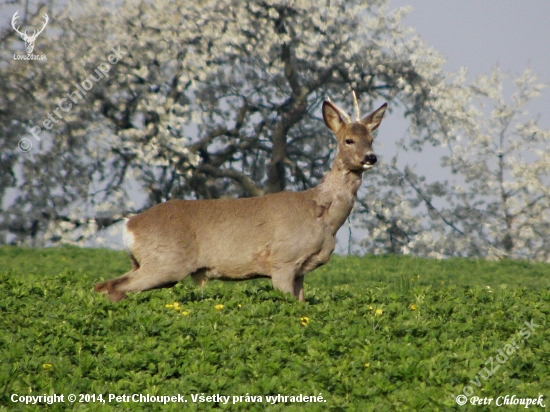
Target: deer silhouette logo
[[29, 40]]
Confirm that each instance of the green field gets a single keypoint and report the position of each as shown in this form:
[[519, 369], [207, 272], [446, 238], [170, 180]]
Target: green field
[[379, 333]]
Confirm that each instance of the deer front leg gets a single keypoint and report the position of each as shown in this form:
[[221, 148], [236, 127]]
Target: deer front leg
[[283, 280], [299, 288]]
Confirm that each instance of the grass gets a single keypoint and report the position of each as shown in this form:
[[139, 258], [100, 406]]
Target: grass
[[377, 333]]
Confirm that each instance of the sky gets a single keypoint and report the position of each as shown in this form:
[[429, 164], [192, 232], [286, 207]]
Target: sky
[[480, 35]]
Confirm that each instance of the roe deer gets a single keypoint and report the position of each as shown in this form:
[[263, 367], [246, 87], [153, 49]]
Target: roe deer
[[281, 236]]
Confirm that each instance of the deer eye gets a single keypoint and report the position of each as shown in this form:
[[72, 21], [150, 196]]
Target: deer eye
[[350, 141]]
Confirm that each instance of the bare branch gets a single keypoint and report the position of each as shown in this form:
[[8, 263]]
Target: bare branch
[[246, 183]]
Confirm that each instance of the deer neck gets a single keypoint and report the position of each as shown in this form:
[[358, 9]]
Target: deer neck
[[336, 194]]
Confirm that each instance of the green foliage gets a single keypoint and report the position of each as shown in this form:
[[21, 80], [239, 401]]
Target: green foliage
[[410, 270], [376, 333]]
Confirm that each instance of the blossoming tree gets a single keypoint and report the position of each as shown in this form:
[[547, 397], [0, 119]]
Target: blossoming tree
[[496, 200], [222, 98]]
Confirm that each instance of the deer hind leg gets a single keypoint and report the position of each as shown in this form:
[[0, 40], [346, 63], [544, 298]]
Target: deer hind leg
[[200, 278], [109, 287], [139, 280]]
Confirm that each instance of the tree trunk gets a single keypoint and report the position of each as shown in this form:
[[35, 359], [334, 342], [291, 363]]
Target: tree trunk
[[276, 181]]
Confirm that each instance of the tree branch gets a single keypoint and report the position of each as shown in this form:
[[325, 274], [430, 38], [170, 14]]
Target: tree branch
[[246, 183]]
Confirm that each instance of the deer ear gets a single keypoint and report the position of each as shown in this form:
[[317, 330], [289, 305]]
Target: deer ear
[[331, 117], [372, 121]]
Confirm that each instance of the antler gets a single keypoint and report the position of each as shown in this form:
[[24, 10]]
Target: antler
[[343, 114], [25, 35], [46, 20], [356, 106], [13, 20], [35, 34]]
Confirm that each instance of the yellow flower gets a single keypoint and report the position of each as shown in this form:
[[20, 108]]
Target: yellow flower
[[185, 313], [378, 312], [370, 307], [304, 320], [176, 306], [239, 306], [219, 307], [367, 365], [413, 306], [47, 366]]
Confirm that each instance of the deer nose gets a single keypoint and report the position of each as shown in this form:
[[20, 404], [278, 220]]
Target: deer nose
[[370, 159]]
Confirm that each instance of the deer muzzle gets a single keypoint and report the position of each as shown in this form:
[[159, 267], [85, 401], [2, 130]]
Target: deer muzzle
[[369, 161]]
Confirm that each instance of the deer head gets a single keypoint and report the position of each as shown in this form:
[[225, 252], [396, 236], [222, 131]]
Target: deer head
[[354, 137], [29, 40]]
